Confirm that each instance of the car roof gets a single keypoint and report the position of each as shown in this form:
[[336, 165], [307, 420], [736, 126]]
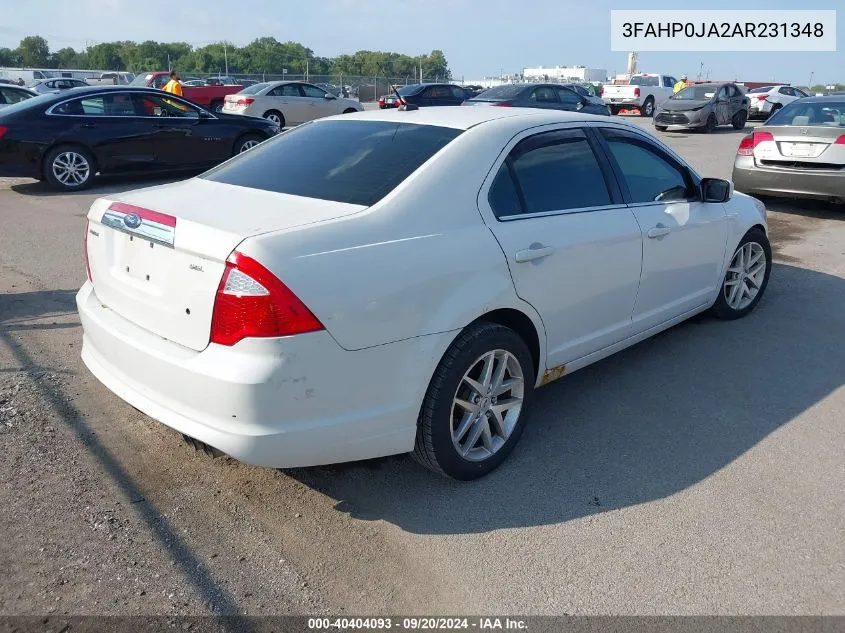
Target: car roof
[[463, 118]]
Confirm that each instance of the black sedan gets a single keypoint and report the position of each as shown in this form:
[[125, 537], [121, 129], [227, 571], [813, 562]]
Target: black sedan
[[545, 96], [68, 138], [425, 95]]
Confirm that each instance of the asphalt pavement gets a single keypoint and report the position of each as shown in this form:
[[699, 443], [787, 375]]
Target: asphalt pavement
[[698, 472]]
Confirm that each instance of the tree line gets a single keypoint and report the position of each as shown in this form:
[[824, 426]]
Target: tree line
[[263, 55]]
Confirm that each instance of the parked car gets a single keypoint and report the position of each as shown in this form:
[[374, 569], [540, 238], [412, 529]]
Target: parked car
[[799, 152], [14, 94], [113, 78], [67, 138], [337, 91], [208, 96], [704, 107], [44, 86], [191, 81], [767, 100], [288, 102], [546, 96], [496, 250], [643, 92], [427, 95]]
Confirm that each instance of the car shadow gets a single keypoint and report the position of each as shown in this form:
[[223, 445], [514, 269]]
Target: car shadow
[[818, 209], [102, 185], [640, 426]]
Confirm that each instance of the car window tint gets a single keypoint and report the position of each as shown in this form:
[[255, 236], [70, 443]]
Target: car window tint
[[286, 90], [568, 96], [160, 81], [10, 95], [459, 93], [312, 91], [648, 172], [99, 105], [503, 196], [543, 94], [160, 106], [305, 161], [558, 171]]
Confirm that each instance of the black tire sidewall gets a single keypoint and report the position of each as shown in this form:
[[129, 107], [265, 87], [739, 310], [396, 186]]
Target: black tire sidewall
[[48, 167], [438, 402], [721, 308], [708, 127], [648, 102], [280, 115]]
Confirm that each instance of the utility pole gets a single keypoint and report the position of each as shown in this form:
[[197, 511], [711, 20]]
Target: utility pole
[[700, 68], [226, 58], [810, 83], [306, 68]]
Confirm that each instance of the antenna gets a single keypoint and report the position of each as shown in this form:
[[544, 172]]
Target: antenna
[[405, 105]]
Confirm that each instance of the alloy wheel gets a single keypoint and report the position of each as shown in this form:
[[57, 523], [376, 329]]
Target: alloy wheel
[[274, 118], [71, 169], [745, 276], [487, 405], [248, 144]]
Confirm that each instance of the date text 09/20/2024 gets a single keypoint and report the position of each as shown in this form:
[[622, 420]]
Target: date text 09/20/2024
[[416, 623]]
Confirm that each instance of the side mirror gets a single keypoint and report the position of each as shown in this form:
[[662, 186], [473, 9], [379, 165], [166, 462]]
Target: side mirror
[[716, 190], [204, 114], [329, 96], [581, 104]]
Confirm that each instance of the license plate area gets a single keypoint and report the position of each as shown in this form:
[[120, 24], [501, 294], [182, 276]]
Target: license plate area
[[140, 262], [800, 150]]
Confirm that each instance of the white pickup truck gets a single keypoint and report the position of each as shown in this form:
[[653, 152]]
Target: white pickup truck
[[643, 92]]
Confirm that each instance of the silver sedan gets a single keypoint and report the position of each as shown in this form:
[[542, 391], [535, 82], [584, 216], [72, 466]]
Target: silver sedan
[[703, 106]]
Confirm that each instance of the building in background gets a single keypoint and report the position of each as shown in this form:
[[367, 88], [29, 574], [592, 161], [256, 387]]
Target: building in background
[[564, 74]]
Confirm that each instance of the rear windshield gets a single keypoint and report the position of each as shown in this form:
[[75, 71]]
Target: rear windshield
[[819, 113], [141, 80], [357, 162], [500, 93], [253, 89], [34, 102], [407, 91], [645, 81]]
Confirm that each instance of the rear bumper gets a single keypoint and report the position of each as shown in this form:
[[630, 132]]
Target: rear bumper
[[285, 402], [772, 181]]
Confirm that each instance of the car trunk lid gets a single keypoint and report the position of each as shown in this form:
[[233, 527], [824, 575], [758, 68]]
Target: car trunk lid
[[802, 146], [157, 255]]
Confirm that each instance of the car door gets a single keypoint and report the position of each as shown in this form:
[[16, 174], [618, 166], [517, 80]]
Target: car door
[[108, 125], [569, 99], [319, 102], [723, 106], [182, 138], [544, 97], [573, 248], [737, 99], [683, 238]]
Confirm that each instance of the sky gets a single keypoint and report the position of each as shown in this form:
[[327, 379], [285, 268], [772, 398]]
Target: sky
[[479, 37]]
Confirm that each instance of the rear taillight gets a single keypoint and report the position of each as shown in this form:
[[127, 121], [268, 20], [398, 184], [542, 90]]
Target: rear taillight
[[840, 140], [747, 145], [503, 104], [762, 97], [3, 130], [636, 92], [85, 252], [245, 101], [252, 302]]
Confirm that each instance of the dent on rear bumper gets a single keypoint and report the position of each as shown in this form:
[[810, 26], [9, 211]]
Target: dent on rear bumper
[[285, 402]]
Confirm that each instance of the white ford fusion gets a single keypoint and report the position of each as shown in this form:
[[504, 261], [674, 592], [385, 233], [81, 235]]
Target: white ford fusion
[[397, 281]]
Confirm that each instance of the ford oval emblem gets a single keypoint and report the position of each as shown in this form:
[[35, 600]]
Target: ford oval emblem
[[132, 221]]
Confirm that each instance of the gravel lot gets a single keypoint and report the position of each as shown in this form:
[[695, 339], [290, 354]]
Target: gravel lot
[[698, 472]]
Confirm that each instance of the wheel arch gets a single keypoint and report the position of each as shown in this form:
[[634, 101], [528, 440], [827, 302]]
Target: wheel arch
[[42, 160], [522, 324]]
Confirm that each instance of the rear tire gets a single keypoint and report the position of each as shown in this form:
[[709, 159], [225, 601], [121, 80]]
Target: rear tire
[[275, 116], [739, 120], [747, 274], [660, 128], [216, 107], [349, 110], [466, 431], [647, 110], [774, 109], [69, 168], [246, 142]]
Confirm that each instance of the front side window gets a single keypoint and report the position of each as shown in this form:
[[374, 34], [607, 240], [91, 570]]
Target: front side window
[[543, 94], [285, 90], [154, 105], [305, 162], [312, 91], [553, 171], [568, 96], [650, 174]]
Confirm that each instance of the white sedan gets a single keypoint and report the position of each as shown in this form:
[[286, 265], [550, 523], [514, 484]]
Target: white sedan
[[288, 102], [300, 305], [767, 100]]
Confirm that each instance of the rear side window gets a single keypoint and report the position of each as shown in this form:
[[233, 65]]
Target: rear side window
[[10, 95], [554, 171], [357, 162]]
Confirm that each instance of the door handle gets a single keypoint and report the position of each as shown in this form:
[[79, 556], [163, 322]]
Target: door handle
[[659, 231], [89, 126], [535, 251]]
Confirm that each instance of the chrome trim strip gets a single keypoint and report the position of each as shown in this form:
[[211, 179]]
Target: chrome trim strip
[[151, 231], [544, 214], [149, 91]]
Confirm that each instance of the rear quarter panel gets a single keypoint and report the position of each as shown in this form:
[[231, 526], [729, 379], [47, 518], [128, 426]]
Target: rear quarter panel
[[421, 261]]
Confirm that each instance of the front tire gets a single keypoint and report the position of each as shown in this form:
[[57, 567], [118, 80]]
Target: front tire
[[246, 142], [710, 125], [477, 402], [746, 278], [69, 168]]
